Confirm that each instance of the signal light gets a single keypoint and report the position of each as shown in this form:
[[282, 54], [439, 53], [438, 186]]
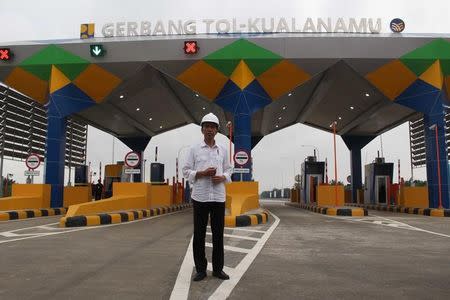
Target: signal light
[[5, 54], [190, 47]]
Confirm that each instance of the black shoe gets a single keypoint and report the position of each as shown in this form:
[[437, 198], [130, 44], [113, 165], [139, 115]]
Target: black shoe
[[199, 276], [221, 275]]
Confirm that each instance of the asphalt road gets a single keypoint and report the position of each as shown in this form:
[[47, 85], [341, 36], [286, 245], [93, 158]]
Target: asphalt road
[[304, 256]]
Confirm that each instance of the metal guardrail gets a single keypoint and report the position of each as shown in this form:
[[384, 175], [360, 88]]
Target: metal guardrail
[[417, 141], [23, 127]]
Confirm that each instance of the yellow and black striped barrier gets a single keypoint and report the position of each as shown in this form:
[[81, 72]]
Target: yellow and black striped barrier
[[332, 211], [118, 217], [433, 212], [246, 220], [31, 213]]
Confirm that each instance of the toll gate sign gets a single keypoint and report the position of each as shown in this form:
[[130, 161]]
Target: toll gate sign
[[241, 157], [5, 54], [132, 159], [190, 47], [33, 161]]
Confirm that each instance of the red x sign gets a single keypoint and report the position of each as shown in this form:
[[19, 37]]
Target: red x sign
[[5, 54], [190, 47]]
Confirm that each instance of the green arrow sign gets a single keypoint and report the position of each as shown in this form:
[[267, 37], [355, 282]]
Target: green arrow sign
[[97, 50]]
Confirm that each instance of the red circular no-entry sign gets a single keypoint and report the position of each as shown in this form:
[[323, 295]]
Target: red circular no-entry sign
[[132, 159], [33, 161]]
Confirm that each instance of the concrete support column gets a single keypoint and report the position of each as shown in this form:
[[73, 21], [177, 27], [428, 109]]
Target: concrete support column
[[55, 157], [137, 144], [431, 120], [356, 172], [355, 143], [243, 139]]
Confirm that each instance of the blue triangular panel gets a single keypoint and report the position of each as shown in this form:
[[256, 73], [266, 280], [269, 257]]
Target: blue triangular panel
[[70, 99], [427, 103], [255, 102], [52, 109], [229, 102], [418, 88], [256, 89], [230, 88]]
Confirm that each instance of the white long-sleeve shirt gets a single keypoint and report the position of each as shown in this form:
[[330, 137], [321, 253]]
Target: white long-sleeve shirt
[[201, 156]]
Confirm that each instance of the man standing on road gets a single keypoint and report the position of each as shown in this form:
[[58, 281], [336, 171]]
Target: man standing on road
[[208, 169]]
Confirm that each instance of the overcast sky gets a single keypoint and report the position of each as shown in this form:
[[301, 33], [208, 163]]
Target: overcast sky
[[278, 156]]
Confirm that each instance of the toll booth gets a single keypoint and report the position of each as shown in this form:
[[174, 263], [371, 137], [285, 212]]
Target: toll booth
[[81, 175], [157, 173], [114, 173], [312, 174], [378, 180]]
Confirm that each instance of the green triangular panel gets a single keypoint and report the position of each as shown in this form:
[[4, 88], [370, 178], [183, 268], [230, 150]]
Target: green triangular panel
[[259, 66], [445, 67], [437, 49], [418, 66], [421, 59], [40, 63], [224, 65], [227, 58], [72, 70], [41, 71]]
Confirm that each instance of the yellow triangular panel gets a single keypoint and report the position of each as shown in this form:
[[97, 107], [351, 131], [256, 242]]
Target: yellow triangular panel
[[242, 75], [433, 75], [57, 80]]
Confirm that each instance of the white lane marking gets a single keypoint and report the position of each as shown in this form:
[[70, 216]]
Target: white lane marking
[[224, 290], [407, 226], [183, 281], [238, 237], [231, 248], [52, 228], [243, 229], [12, 234], [388, 222], [70, 229], [31, 219], [226, 269]]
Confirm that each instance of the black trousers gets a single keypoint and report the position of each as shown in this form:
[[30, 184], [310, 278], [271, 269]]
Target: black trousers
[[201, 212]]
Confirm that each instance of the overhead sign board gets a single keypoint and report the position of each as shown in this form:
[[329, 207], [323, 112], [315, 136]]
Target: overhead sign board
[[241, 157], [132, 159], [32, 161]]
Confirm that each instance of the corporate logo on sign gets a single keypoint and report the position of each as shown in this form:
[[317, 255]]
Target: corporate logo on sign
[[226, 26], [87, 31], [397, 25]]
